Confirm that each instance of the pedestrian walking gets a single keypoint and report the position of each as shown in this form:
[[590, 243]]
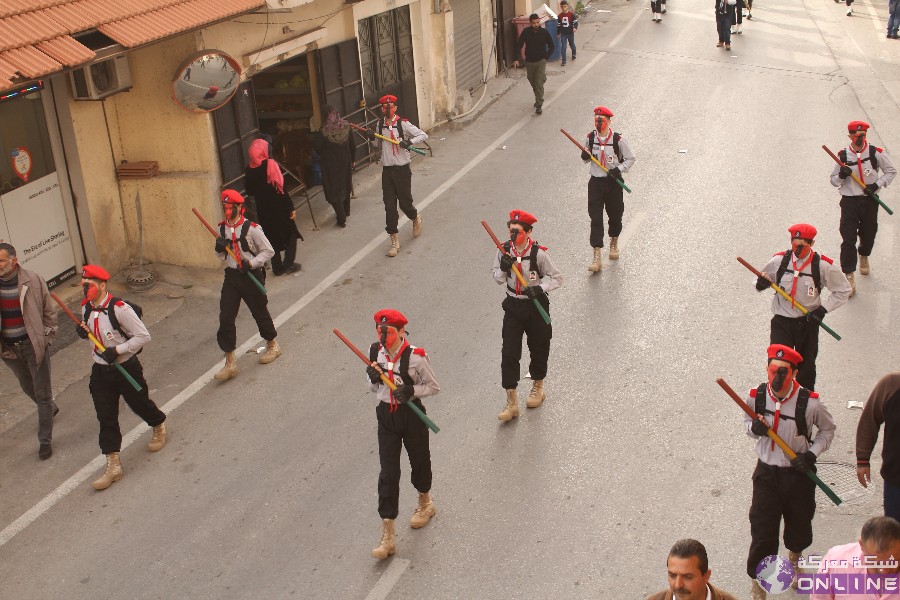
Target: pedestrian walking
[[781, 489], [613, 152], [396, 174], [118, 326], [723, 22], [882, 408], [656, 9], [849, 6], [737, 17], [859, 210], [520, 316], [538, 44], [27, 327], [334, 144], [893, 19], [274, 208], [566, 26], [398, 425], [845, 565], [803, 273], [750, 9], [252, 249], [687, 567]]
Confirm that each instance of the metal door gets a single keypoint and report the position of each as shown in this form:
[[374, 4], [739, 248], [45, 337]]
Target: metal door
[[467, 44], [236, 128], [386, 60]]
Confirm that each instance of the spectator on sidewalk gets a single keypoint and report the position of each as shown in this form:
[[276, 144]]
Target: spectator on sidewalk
[[539, 46], [849, 7], [882, 408], [723, 22], [566, 26], [688, 572], [893, 19], [27, 326], [335, 147]]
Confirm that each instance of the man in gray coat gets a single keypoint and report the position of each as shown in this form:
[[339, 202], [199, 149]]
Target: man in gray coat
[[27, 326]]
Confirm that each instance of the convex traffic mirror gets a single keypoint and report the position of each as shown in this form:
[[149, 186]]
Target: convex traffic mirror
[[206, 81]]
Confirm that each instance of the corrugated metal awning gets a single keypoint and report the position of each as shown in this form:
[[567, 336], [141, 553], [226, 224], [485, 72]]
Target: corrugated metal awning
[[36, 35]]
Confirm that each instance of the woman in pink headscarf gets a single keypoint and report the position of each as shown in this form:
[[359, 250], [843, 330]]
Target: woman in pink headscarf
[[275, 209]]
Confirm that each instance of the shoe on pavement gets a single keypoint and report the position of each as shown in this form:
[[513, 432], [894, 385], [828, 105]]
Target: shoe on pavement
[[573, 57], [719, 45], [229, 370], [424, 511], [852, 281], [395, 245], [863, 265], [273, 351], [45, 451], [387, 546], [849, 12], [538, 110], [417, 225], [536, 397], [159, 438], [512, 406], [728, 46], [113, 472]]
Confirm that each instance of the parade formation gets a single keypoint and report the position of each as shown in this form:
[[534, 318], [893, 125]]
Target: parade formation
[[785, 416]]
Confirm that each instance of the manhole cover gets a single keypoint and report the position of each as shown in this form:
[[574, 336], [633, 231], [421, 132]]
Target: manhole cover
[[140, 281], [841, 478]]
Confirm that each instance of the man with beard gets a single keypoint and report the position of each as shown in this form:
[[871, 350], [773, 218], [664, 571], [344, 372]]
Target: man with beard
[[539, 46]]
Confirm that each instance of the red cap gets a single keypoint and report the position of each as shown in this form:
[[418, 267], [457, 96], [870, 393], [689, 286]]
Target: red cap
[[856, 126], [602, 110], [94, 272], [782, 352], [520, 216], [802, 231], [388, 98], [232, 197], [391, 317]]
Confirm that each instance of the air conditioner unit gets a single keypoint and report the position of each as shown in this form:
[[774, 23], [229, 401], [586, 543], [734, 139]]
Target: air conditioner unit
[[101, 79]]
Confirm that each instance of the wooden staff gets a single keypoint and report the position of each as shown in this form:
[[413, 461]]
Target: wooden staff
[[594, 158], [387, 139], [384, 378], [781, 443], [857, 179], [518, 273], [96, 342], [230, 252], [787, 297]]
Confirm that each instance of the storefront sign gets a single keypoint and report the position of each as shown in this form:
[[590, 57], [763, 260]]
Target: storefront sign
[[33, 220], [21, 163]]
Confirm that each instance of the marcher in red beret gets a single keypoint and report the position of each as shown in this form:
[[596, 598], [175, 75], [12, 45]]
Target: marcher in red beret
[[520, 216], [94, 272], [859, 209], [781, 488], [802, 273], [612, 151], [409, 369]]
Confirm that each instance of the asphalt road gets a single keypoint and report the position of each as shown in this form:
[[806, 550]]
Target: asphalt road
[[267, 488]]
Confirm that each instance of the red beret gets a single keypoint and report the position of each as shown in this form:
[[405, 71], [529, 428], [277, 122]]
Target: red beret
[[602, 110], [390, 317], [855, 126], [521, 216], [94, 272], [232, 197], [802, 231], [388, 98], [782, 352]]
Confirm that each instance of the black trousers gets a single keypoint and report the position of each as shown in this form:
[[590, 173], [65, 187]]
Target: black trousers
[[402, 427], [520, 317], [236, 287], [106, 386], [655, 6], [859, 219], [290, 253], [803, 336], [396, 187], [604, 192], [778, 493]]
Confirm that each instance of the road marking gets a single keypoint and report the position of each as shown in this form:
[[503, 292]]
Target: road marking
[[388, 579], [45, 504], [632, 226]]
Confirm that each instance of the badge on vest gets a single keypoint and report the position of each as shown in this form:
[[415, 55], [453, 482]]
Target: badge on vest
[[867, 171], [109, 336], [811, 292], [532, 276]]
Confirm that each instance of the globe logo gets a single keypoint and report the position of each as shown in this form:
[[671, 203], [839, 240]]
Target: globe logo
[[775, 574]]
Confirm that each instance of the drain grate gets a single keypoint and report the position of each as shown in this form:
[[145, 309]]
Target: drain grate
[[840, 477], [140, 281]]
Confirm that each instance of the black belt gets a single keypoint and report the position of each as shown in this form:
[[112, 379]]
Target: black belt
[[17, 344], [395, 166]]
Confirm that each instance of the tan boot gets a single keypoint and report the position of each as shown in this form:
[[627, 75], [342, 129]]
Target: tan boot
[[273, 351], [598, 261], [863, 265], [229, 370], [114, 472], [423, 513], [512, 406], [794, 557], [852, 283], [395, 245], [417, 225], [159, 438], [756, 592], [614, 248], [387, 546], [536, 397]]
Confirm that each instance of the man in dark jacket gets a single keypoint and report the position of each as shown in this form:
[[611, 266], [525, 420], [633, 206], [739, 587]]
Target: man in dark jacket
[[539, 46], [881, 409], [688, 572]]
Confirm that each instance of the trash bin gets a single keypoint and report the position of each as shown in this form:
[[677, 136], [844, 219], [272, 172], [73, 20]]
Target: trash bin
[[548, 21]]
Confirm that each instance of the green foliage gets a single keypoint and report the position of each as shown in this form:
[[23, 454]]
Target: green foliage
[[579, 7]]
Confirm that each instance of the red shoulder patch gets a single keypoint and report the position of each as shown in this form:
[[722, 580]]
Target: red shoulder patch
[[252, 224], [753, 393], [826, 259], [544, 248], [814, 394], [779, 253], [419, 351], [120, 303], [221, 223], [877, 149]]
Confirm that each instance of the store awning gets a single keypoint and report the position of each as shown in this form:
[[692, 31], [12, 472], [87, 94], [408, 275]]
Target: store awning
[[36, 36]]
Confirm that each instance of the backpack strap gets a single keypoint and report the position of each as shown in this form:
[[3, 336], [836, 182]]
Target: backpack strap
[[782, 268], [113, 319], [800, 413], [842, 154], [816, 271], [616, 138], [404, 366], [591, 137], [760, 405], [532, 259], [373, 352], [873, 158], [245, 246]]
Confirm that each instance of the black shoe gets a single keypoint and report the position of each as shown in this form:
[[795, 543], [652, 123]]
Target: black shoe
[[664, 11], [277, 273], [573, 57], [292, 268], [55, 410], [562, 64], [344, 224], [538, 110], [45, 452]]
